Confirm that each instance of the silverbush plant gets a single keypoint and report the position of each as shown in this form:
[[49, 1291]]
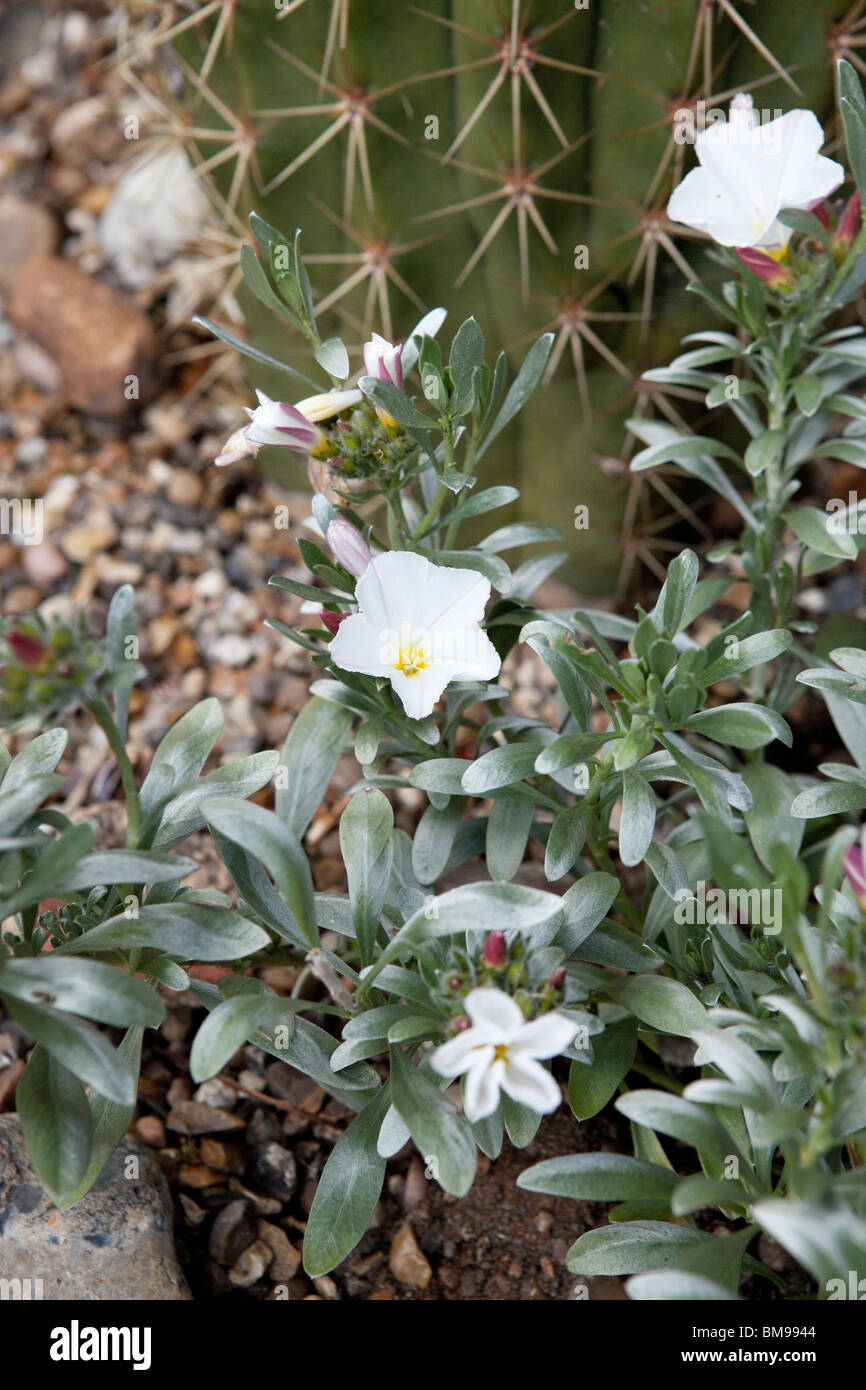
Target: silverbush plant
[[704, 903], [120, 921]]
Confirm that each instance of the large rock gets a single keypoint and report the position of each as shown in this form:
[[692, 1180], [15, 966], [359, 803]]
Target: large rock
[[104, 346], [116, 1243], [25, 229]]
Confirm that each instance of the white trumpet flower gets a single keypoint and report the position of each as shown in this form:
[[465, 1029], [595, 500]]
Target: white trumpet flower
[[501, 1052], [418, 624], [749, 172]]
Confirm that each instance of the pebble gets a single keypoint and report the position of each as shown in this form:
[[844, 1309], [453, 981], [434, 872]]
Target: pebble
[[233, 1231], [30, 452], [275, 1168], [188, 1117], [25, 227], [151, 1130], [265, 1206], [185, 488], [82, 543], [193, 1214], [326, 1288], [286, 1259], [251, 1264], [228, 1158], [104, 346], [232, 650], [415, 1188], [197, 1175], [407, 1260], [43, 564], [217, 1093]]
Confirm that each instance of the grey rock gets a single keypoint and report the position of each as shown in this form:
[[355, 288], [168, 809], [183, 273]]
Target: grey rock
[[115, 1243], [215, 1093], [234, 1229], [263, 1127], [275, 1169]]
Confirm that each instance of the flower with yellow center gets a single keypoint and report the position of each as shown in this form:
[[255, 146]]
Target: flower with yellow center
[[748, 172], [418, 625], [501, 1051]]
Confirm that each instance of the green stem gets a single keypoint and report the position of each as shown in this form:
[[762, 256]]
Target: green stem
[[103, 716]]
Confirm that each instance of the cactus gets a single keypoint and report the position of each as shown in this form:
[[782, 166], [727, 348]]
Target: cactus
[[519, 155]]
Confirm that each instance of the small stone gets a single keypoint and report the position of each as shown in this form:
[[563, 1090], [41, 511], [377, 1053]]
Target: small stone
[[197, 1176], [543, 1222], [185, 488], [43, 564], [81, 543], [228, 1158], [407, 1260], [250, 1080], [250, 1265], [105, 347], [30, 452], [151, 1131], [235, 1228], [265, 1206], [415, 1188], [188, 1117], [179, 1089], [114, 1243], [275, 1168], [232, 650], [263, 1127], [326, 1288], [216, 1093], [286, 1259], [162, 632], [193, 1214]]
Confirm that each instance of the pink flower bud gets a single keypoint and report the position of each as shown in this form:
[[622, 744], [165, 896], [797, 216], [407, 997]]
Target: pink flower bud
[[495, 952], [762, 265], [332, 620], [348, 546], [849, 223], [557, 979], [28, 650], [383, 360], [855, 869]]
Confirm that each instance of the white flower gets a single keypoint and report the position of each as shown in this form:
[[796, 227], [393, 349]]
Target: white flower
[[418, 625], [749, 172], [296, 426], [237, 446], [383, 360], [500, 1052]]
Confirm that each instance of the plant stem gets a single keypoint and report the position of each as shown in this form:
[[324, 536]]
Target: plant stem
[[103, 716]]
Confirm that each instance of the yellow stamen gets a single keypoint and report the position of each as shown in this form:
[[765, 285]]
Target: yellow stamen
[[500, 1052], [411, 661]]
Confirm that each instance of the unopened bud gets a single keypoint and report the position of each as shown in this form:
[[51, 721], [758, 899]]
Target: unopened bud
[[849, 223], [332, 620], [557, 979], [495, 951], [348, 546], [29, 651]]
